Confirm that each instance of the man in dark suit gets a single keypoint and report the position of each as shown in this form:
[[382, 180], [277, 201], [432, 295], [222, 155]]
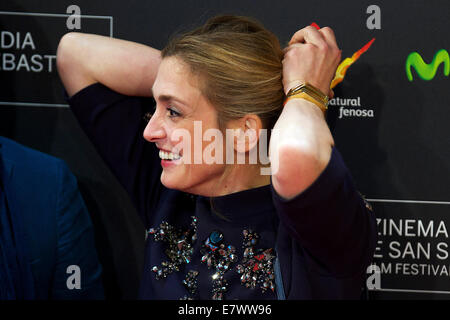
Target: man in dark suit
[[46, 237]]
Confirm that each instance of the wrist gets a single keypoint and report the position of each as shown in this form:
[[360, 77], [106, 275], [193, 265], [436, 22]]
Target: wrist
[[292, 85], [309, 93]]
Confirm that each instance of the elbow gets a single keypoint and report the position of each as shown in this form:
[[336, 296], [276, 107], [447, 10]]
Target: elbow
[[65, 51], [296, 168], [71, 62]]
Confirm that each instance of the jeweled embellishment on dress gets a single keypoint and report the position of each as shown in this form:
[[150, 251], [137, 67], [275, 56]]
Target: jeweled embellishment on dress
[[218, 256], [191, 283], [180, 247], [256, 268], [367, 204]]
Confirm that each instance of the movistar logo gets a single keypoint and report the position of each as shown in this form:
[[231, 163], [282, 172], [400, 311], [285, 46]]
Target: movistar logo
[[424, 70]]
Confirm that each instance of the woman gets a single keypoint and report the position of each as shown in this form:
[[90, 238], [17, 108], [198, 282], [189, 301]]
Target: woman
[[220, 229]]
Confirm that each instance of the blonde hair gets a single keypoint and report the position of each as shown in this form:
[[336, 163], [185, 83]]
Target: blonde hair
[[239, 64]]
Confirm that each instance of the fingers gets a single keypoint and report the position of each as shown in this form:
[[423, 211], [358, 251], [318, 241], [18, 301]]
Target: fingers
[[317, 37], [311, 56], [328, 36], [308, 34], [295, 45], [330, 39], [324, 39]]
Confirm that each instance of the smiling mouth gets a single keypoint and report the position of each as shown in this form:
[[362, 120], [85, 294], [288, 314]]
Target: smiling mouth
[[164, 155]]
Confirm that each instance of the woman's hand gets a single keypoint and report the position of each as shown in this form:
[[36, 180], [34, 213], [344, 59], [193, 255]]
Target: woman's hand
[[312, 56]]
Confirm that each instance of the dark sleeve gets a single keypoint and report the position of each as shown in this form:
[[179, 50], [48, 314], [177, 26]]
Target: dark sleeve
[[331, 221], [77, 273], [114, 123]]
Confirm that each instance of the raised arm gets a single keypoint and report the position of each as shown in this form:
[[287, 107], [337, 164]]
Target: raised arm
[[126, 67], [304, 147]]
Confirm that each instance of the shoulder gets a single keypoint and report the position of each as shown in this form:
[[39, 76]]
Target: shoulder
[[30, 167], [24, 156]]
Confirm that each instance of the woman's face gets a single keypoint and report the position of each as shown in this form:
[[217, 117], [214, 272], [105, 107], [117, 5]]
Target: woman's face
[[180, 110]]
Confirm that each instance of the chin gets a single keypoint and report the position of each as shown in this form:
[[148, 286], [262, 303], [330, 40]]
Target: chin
[[168, 182], [175, 183]]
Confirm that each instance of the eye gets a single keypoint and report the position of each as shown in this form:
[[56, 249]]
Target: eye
[[173, 113]]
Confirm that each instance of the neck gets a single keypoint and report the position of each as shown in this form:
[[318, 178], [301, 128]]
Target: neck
[[235, 178]]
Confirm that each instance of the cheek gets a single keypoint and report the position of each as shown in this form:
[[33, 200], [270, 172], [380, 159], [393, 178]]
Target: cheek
[[181, 141], [201, 175]]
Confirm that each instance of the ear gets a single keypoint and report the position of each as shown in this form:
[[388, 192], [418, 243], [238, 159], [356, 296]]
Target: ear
[[246, 132]]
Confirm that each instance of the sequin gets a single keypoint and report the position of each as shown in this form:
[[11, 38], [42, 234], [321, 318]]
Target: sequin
[[218, 256], [216, 237], [256, 267], [190, 282], [180, 247]]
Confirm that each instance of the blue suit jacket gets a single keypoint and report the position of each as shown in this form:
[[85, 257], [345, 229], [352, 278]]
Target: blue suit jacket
[[52, 224]]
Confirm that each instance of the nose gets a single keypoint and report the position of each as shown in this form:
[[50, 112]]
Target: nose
[[154, 130]]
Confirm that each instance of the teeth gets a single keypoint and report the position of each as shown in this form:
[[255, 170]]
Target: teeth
[[168, 155]]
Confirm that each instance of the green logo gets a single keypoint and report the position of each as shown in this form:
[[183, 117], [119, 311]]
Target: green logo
[[424, 70]]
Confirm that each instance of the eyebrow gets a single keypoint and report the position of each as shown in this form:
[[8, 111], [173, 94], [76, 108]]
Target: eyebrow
[[168, 97]]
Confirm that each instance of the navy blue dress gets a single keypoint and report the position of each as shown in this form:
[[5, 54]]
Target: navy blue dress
[[251, 244]]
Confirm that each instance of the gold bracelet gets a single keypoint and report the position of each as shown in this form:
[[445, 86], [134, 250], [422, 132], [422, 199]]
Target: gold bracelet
[[307, 97], [311, 90], [310, 93]]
